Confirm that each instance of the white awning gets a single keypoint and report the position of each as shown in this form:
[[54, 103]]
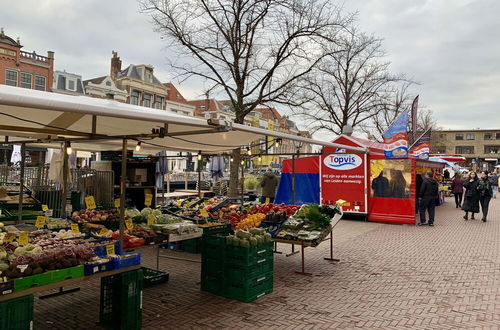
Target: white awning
[[39, 117]]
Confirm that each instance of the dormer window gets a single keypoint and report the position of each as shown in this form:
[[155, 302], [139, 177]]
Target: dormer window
[[108, 83]]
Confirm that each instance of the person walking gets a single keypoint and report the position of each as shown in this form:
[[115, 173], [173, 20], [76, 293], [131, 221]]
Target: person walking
[[428, 193], [268, 183], [457, 188], [486, 193], [493, 177], [472, 195]]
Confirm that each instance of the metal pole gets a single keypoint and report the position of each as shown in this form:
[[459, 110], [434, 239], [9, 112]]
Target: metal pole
[[21, 184], [123, 181], [65, 182], [242, 182], [168, 183], [199, 177]]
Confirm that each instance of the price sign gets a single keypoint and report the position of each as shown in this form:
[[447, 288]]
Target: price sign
[[9, 237], [129, 224], [90, 202], [110, 250], [148, 198], [268, 200], [40, 221], [151, 220], [179, 203], [23, 238], [74, 228], [45, 208], [49, 213], [204, 213], [103, 232], [117, 203]]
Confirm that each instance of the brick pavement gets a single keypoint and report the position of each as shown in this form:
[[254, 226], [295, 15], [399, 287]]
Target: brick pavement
[[389, 277]]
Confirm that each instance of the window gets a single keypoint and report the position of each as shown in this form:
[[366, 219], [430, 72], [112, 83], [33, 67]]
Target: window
[[71, 85], [470, 136], [108, 83], [440, 150], [464, 150], [134, 98], [11, 77], [40, 83], [26, 80], [202, 107], [146, 101], [488, 136], [442, 136], [159, 102], [459, 136], [497, 136], [491, 149]]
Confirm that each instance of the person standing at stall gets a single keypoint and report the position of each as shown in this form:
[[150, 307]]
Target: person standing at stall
[[457, 188], [486, 193], [472, 195], [446, 174], [428, 193], [268, 183]]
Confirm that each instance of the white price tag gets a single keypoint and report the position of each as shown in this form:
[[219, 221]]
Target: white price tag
[[49, 213]]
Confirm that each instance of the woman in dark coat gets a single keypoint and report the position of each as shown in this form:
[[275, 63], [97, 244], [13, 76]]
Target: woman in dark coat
[[472, 195], [457, 188]]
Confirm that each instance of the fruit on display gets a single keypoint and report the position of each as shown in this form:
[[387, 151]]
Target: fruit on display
[[251, 221], [252, 238], [65, 234], [315, 216], [87, 215], [289, 210]]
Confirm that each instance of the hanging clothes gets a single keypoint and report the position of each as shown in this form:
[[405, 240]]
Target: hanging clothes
[[161, 169], [216, 167], [56, 168]]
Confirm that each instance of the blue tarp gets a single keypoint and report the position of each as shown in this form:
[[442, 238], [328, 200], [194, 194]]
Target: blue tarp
[[306, 188]]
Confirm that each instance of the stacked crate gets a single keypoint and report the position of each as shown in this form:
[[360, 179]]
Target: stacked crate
[[236, 272]]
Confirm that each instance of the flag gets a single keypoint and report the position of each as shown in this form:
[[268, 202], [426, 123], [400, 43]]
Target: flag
[[414, 121], [422, 146], [396, 138]]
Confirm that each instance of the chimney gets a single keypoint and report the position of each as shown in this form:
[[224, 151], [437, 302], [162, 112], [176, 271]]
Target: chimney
[[116, 65], [50, 54]]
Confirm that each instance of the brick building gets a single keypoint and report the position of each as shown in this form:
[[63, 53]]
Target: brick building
[[480, 147], [24, 69]]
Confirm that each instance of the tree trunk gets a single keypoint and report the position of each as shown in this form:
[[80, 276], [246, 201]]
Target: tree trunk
[[234, 173]]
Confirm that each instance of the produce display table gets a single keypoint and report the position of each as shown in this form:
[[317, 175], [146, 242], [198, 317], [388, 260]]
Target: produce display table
[[172, 238], [57, 285], [304, 244]]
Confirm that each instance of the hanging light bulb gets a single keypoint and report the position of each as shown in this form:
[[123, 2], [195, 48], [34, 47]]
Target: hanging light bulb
[[278, 143], [242, 162], [260, 158], [249, 151], [69, 150], [138, 146], [231, 159], [199, 155]]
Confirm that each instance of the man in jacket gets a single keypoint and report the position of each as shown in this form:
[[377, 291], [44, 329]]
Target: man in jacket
[[486, 191], [428, 193], [493, 178], [269, 183]]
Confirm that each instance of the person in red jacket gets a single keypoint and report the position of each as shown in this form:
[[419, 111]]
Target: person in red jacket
[[457, 188]]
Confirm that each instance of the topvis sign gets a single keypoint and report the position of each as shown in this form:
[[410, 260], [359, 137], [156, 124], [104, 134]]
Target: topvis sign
[[342, 162]]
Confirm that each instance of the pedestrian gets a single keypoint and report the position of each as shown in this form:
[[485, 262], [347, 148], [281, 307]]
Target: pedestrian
[[446, 174], [494, 178], [472, 195], [380, 185], [457, 188], [486, 193], [268, 183], [428, 193]]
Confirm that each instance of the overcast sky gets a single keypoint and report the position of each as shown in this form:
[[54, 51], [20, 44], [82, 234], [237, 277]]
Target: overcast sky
[[450, 47]]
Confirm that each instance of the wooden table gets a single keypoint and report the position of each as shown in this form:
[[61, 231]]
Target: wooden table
[[71, 281]]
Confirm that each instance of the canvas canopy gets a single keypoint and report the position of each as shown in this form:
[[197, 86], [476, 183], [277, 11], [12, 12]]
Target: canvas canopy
[[47, 119]]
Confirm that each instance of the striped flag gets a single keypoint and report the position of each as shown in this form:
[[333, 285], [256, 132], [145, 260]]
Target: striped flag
[[421, 148], [396, 138], [414, 121]]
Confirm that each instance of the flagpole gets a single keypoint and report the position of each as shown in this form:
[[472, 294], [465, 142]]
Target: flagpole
[[421, 136]]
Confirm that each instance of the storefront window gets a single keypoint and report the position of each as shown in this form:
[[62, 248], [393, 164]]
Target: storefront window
[[390, 178]]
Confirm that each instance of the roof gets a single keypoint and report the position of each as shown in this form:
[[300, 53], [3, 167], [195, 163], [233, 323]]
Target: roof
[[97, 80], [269, 113], [465, 130], [201, 106], [8, 40], [132, 71], [174, 95], [32, 116]]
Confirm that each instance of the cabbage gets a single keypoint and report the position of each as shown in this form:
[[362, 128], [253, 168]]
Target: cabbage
[[3, 266], [3, 253], [146, 212], [132, 213], [156, 213]]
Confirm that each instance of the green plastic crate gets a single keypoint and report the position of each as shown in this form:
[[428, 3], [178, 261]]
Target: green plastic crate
[[17, 313], [238, 255], [250, 290], [223, 229], [33, 280], [191, 245], [213, 284], [154, 277], [121, 301], [64, 274], [212, 267], [213, 247], [237, 273]]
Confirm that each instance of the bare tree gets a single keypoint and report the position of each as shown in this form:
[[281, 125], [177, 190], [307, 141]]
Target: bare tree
[[350, 86], [252, 51]]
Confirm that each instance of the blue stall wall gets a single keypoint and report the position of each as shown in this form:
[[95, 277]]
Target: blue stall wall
[[306, 188]]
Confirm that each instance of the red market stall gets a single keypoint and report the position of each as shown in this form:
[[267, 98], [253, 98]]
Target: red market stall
[[383, 190]]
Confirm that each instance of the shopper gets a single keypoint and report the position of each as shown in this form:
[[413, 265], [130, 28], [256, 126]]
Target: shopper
[[268, 183], [472, 195], [428, 193], [494, 178], [380, 185], [457, 188], [486, 193], [446, 174]]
